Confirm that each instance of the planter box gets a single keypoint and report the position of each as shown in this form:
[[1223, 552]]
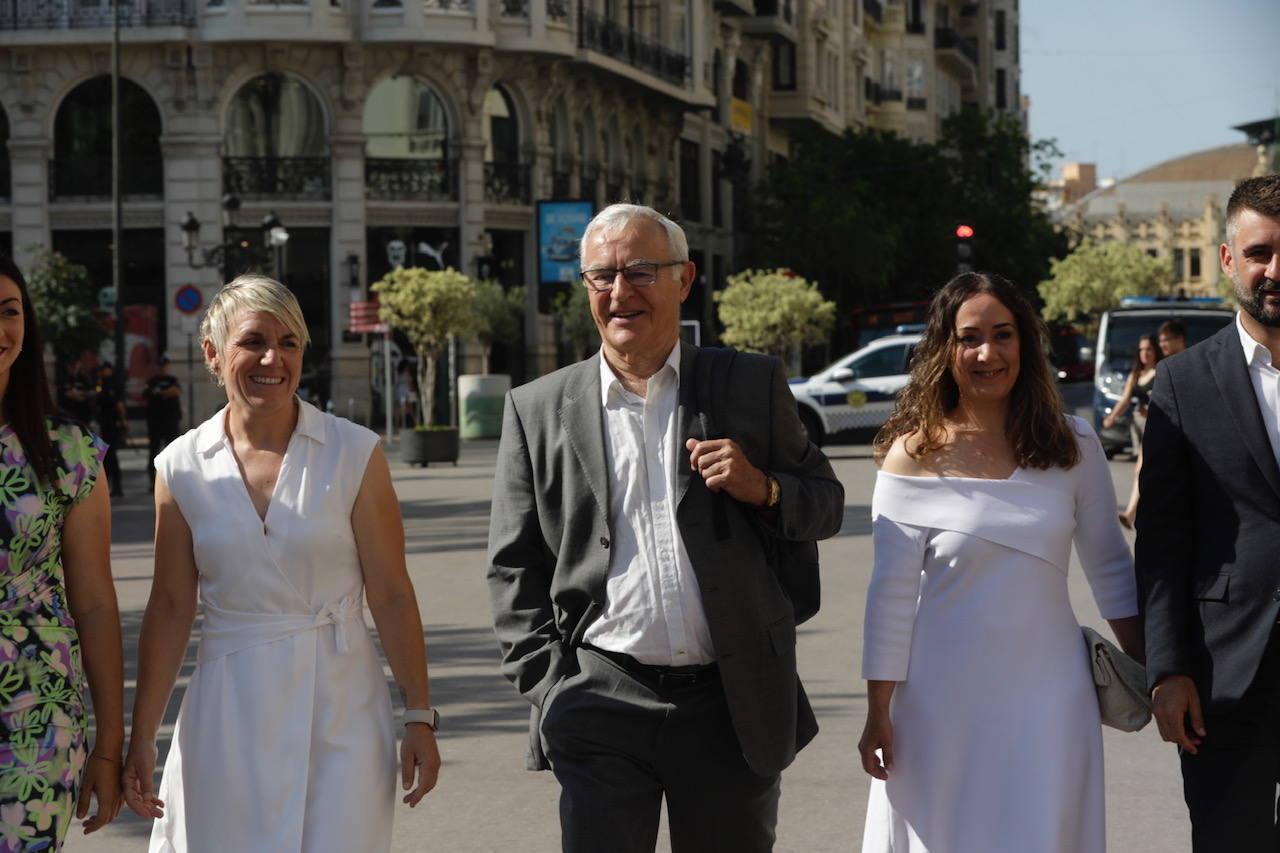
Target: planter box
[[422, 447], [481, 397]]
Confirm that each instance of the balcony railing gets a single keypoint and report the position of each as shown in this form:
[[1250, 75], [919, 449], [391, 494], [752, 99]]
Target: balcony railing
[[602, 35], [300, 178], [514, 8], [945, 38], [558, 10], [783, 9], [70, 14], [90, 178], [884, 93], [917, 104], [874, 10], [452, 7], [410, 179], [506, 183]]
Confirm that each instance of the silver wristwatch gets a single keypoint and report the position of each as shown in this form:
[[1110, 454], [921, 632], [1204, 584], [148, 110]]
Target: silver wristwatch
[[430, 717]]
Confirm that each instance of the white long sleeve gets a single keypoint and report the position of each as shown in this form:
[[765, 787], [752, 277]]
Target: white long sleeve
[[1103, 551], [892, 598]]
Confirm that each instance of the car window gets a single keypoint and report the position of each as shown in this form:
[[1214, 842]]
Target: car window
[[887, 361]]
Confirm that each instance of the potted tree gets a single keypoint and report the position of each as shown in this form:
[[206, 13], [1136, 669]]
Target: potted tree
[[428, 307], [572, 311], [775, 312], [497, 313]]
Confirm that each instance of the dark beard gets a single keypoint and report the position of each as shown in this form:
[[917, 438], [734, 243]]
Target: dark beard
[[1254, 303]]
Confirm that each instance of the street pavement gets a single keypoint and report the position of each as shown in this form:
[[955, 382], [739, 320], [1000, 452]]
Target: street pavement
[[486, 801]]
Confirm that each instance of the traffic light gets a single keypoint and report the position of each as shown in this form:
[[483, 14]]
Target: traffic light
[[964, 248]]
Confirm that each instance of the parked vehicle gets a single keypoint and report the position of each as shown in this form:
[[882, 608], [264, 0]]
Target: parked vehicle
[[1069, 353], [857, 392], [1118, 342]]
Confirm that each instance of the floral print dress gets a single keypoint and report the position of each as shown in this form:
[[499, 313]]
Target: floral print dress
[[42, 714]]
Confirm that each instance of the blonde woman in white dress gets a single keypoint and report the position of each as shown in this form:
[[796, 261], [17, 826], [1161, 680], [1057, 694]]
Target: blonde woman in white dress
[[278, 518], [983, 733]]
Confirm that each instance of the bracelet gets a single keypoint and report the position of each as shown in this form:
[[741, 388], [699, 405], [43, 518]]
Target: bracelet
[[429, 717]]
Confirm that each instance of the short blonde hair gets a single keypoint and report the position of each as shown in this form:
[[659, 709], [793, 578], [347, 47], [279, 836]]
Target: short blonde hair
[[250, 292]]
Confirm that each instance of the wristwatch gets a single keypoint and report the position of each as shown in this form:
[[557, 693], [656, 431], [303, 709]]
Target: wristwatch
[[773, 491], [429, 717]]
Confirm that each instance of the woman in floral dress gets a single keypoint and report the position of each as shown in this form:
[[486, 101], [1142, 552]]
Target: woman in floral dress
[[55, 589]]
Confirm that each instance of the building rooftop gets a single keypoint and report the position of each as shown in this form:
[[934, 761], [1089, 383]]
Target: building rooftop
[[1183, 185]]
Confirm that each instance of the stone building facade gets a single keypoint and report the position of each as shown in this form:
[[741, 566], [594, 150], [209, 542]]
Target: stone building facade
[[431, 128]]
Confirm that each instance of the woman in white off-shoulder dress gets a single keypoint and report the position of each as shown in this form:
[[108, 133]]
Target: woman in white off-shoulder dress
[[281, 517], [983, 732]]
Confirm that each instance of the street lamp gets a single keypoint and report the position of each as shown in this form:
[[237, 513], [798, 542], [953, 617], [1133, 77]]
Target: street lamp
[[274, 236]]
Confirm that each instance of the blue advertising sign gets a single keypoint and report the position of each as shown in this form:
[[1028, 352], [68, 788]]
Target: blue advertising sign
[[561, 225]]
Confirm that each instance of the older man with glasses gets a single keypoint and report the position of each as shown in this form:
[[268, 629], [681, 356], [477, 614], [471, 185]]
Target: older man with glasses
[[637, 518]]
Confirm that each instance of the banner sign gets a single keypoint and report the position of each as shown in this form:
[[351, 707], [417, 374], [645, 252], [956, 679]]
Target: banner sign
[[561, 225], [363, 318]]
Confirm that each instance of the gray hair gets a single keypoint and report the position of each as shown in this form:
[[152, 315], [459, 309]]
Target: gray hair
[[250, 292], [615, 217]]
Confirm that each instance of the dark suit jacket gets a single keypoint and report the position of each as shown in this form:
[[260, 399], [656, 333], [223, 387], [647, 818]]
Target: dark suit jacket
[[549, 537], [1208, 551]]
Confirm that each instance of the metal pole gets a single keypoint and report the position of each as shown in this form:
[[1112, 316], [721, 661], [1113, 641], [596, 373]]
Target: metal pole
[[191, 385], [117, 213], [386, 380]]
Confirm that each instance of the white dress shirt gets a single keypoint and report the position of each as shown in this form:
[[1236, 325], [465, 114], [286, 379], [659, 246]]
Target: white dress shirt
[[1266, 384], [653, 607]]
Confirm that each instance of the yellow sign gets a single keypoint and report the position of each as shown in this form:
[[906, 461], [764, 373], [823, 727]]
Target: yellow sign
[[857, 399], [741, 116]]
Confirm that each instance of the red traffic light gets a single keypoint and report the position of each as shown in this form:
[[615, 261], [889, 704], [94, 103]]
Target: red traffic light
[[964, 232]]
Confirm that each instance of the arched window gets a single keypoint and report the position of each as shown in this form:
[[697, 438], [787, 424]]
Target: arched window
[[588, 162], [276, 142], [558, 131], [407, 144], [506, 178], [81, 166], [613, 166], [501, 128]]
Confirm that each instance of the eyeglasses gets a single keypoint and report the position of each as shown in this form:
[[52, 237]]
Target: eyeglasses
[[642, 274]]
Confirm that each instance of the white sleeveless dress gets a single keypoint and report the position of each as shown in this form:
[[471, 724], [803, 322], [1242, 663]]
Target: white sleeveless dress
[[284, 739], [997, 739]]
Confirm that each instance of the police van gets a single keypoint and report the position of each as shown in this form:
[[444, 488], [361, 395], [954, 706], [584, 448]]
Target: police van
[[858, 391], [1118, 335]]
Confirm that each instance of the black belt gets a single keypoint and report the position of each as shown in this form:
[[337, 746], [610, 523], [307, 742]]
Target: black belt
[[660, 677]]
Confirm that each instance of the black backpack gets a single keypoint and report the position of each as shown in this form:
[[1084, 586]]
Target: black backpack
[[795, 564]]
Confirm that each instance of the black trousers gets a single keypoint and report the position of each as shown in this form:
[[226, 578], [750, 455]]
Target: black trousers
[[1230, 786], [619, 742], [158, 438], [111, 463]]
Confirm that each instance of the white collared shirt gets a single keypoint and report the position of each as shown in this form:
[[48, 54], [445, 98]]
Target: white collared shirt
[[653, 607], [1266, 384]]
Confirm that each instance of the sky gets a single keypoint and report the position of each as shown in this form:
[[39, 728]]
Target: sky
[[1127, 84]]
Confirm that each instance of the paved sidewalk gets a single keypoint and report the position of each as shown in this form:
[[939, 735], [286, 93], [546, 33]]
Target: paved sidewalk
[[487, 801]]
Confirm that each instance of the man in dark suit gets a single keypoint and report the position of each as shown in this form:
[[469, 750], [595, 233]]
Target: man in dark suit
[[650, 633], [1208, 551]]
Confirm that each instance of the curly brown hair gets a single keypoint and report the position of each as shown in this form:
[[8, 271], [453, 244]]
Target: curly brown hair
[[1037, 428]]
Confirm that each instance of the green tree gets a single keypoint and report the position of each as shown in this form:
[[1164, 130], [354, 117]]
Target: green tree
[[872, 215], [773, 311], [428, 307], [498, 315], [66, 305], [572, 311], [1096, 276]]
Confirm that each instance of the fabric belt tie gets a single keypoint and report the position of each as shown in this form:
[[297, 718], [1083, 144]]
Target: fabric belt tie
[[227, 631]]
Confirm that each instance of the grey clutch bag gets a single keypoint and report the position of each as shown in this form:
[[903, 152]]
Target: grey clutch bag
[[1121, 683]]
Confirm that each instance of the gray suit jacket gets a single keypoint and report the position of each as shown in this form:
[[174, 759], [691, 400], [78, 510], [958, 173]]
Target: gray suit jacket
[[549, 536]]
